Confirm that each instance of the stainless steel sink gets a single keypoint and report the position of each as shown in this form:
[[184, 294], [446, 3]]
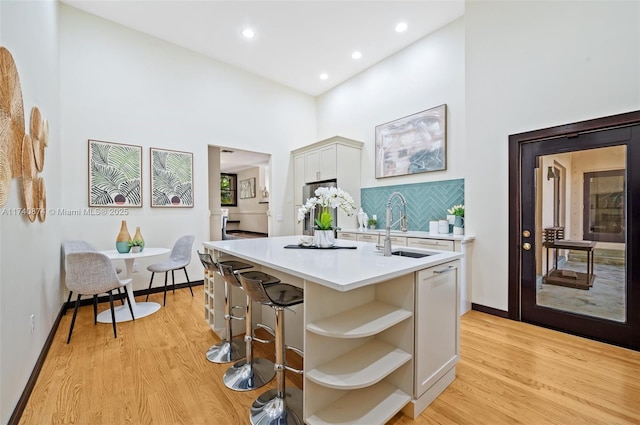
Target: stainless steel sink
[[412, 254]]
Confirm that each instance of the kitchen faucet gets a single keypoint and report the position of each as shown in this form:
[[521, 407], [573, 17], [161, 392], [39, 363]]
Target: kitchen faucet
[[402, 220]]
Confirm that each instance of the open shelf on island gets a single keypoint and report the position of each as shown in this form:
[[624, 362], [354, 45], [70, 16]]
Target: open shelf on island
[[366, 320], [360, 367], [372, 405]]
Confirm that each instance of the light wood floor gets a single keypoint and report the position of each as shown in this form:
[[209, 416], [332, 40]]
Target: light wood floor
[[156, 372]]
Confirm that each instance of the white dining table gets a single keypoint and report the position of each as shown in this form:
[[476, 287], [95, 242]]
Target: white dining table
[[140, 309]]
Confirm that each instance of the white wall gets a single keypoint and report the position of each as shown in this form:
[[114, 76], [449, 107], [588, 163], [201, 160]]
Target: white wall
[[424, 75], [532, 65], [506, 67], [251, 213], [30, 252], [122, 86]]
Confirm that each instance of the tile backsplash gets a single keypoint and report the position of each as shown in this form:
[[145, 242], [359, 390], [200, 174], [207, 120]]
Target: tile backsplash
[[425, 201]]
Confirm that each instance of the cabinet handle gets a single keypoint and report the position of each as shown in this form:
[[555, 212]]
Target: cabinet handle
[[448, 269]]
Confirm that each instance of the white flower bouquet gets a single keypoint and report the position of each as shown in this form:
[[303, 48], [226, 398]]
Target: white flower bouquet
[[327, 198]]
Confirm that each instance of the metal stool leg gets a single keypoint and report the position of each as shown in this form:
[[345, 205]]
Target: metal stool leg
[[230, 349], [280, 406], [250, 373]]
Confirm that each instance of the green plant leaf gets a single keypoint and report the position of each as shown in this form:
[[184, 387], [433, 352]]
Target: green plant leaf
[[325, 221]]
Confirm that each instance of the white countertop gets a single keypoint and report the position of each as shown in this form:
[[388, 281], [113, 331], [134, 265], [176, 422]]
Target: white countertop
[[415, 234], [339, 269]]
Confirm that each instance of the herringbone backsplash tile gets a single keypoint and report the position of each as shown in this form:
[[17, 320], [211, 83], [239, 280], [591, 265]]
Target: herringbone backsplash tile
[[425, 201]]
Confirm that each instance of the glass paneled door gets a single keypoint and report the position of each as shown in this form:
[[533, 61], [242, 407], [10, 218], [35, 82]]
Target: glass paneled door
[[576, 249], [579, 214]]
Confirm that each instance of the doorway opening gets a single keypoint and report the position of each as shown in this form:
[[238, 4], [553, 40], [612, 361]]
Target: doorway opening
[[239, 186]]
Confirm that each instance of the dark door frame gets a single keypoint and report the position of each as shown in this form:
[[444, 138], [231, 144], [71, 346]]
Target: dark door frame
[[516, 141]]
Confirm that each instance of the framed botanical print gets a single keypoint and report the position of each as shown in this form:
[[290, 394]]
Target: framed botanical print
[[171, 178], [115, 177]]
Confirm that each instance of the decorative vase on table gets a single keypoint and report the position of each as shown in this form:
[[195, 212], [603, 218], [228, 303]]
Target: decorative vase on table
[[138, 237], [458, 225], [360, 219], [324, 238], [123, 238]]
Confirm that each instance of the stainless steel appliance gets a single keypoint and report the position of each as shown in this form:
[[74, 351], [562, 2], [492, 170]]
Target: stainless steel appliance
[[308, 191]]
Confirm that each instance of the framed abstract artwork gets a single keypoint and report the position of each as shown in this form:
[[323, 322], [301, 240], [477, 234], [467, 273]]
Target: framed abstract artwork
[[413, 144], [171, 178], [247, 188], [115, 177]]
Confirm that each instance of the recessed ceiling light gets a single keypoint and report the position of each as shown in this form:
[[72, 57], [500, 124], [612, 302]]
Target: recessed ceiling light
[[356, 55], [324, 76], [248, 33], [401, 27]]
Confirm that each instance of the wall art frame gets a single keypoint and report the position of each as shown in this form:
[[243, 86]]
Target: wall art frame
[[171, 178], [413, 144], [115, 174], [247, 188]]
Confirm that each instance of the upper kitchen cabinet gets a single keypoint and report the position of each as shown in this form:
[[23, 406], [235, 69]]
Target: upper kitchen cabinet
[[324, 160], [336, 158], [321, 164]]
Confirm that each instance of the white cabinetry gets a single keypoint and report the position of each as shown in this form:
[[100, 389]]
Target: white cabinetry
[[298, 178], [437, 321], [375, 350], [396, 240], [334, 158], [368, 237], [358, 352], [214, 300], [209, 297], [347, 236], [417, 239], [321, 164], [440, 244], [372, 237]]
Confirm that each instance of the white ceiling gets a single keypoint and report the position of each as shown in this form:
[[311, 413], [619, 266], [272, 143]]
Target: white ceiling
[[234, 160], [295, 40]]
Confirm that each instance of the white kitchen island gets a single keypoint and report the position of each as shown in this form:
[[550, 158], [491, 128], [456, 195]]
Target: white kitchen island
[[380, 334]]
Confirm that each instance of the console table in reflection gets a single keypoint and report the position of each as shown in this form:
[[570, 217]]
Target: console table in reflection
[[570, 278]]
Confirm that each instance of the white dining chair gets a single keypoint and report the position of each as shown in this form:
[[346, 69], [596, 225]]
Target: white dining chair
[[91, 273], [81, 246], [179, 259]]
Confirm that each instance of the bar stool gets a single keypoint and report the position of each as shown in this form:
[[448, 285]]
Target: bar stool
[[229, 349], [250, 373], [279, 406]]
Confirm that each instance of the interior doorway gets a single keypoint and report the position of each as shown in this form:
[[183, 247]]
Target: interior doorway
[[571, 244], [239, 190]]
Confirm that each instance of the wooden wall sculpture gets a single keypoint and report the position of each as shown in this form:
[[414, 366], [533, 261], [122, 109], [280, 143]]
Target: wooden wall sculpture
[[21, 152]]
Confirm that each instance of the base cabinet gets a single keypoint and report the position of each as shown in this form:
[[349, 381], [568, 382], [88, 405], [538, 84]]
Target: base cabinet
[[374, 351], [437, 324], [358, 353]]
